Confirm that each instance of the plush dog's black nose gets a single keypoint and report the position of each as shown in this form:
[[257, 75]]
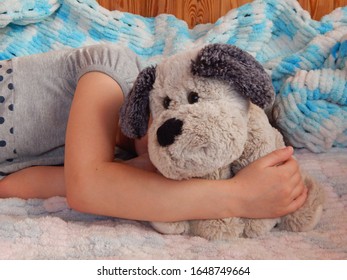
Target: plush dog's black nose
[[167, 132]]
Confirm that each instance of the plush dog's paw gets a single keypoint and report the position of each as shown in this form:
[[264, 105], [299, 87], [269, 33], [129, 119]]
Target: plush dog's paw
[[307, 217], [258, 227], [311, 224], [221, 229], [171, 228], [302, 220]]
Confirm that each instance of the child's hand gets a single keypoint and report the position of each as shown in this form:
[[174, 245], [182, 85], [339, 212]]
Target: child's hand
[[272, 186]]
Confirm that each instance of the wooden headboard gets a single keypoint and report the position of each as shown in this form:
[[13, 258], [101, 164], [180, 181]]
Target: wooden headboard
[[203, 11]]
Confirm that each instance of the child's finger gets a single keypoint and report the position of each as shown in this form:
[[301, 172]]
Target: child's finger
[[298, 202], [277, 157]]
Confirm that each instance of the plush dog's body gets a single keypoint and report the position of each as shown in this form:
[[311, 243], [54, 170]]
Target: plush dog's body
[[206, 122]]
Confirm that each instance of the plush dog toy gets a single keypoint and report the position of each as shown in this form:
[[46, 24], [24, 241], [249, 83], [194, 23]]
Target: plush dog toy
[[208, 121]]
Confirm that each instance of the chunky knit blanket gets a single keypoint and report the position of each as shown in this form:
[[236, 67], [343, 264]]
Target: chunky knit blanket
[[305, 58]]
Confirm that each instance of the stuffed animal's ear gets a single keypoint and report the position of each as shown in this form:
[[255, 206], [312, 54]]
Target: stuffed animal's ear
[[238, 68], [135, 113]]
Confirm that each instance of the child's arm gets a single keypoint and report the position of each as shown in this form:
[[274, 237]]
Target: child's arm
[[96, 184]]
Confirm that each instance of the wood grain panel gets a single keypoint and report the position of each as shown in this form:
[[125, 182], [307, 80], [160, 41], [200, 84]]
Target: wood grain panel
[[203, 11], [319, 8]]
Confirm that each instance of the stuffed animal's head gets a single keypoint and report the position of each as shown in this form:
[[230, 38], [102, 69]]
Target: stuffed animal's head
[[198, 101]]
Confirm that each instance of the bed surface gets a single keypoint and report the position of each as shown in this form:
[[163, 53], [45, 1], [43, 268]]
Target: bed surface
[[48, 229]]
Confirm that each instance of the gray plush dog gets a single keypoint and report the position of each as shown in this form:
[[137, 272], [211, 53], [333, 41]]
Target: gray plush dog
[[208, 121]]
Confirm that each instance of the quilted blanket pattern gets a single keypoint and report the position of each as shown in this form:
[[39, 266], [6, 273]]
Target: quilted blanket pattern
[[49, 229]]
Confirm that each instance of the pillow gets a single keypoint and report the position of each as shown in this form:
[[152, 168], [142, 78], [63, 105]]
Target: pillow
[[25, 12]]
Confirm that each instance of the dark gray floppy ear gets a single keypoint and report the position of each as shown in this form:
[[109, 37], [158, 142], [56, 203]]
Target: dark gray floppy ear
[[134, 114], [238, 68]]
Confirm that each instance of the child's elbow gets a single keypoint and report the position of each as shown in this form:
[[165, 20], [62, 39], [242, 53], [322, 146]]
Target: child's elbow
[[77, 194]]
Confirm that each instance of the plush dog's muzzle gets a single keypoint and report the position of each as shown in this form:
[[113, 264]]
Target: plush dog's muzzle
[[168, 131]]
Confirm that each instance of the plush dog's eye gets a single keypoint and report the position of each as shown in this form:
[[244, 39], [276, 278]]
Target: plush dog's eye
[[166, 102], [193, 97]]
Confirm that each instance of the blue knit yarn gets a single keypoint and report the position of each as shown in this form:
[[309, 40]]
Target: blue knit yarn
[[305, 58]]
